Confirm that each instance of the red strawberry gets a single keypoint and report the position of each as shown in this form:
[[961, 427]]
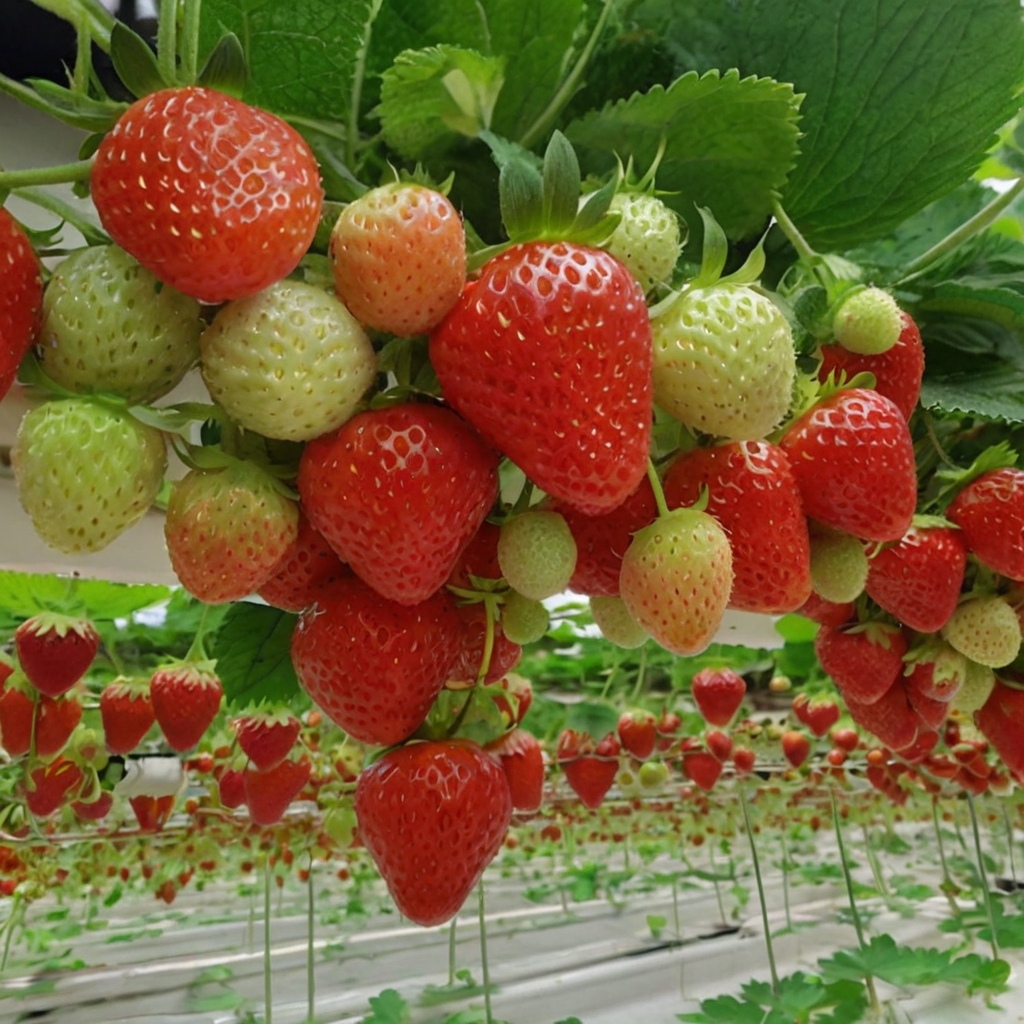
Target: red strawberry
[[1001, 721], [308, 562], [818, 715], [522, 761], [918, 580], [863, 661], [50, 786], [55, 651], [853, 460], [186, 698], [375, 666], [433, 816], [231, 788], [17, 708], [796, 747], [602, 539], [478, 558], [897, 372], [548, 355], [990, 513], [505, 655], [127, 713], [94, 810], [637, 733], [890, 718], [827, 613], [719, 744], [753, 495], [932, 712], [152, 812], [398, 493], [21, 298], [743, 759], [521, 692], [55, 722], [668, 728], [589, 767], [266, 738], [718, 694], [702, 768], [268, 793], [217, 198], [936, 670]]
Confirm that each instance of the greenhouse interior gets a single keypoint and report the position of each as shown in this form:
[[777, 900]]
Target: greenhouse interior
[[512, 512]]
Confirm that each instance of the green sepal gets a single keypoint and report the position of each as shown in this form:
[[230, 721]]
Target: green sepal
[[562, 184], [134, 62], [953, 481], [174, 419], [751, 270], [715, 251], [84, 113], [225, 69]]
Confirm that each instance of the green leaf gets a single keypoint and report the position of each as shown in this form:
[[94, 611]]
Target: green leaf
[[84, 113], [388, 1008], [590, 717], [134, 62], [730, 143], [26, 594], [252, 649], [225, 68], [992, 390]]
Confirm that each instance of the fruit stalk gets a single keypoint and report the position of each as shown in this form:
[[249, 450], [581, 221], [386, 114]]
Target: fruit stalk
[[948, 885], [310, 944], [748, 828], [1009, 843], [983, 876], [485, 968], [268, 994]]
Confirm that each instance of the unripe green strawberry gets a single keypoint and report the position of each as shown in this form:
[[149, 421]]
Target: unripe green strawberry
[[647, 238], [537, 554], [676, 578], [85, 472], [839, 566], [986, 630], [724, 362], [616, 623], [523, 620], [289, 363], [868, 323], [226, 530], [110, 325], [977, 686]]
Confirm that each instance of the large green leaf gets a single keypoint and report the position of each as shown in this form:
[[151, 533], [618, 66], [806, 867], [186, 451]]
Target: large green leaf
[[993, 390], [252, 649], [730, 142], [26, 594], [903, 97]]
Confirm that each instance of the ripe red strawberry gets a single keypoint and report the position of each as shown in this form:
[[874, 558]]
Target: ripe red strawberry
[[818, 715], [514, 707], [505, 655], [398, 253], [308, 562], [637, 733], [548, 356], [590, 767], [127, 713], [398, 493], [936, 670], [863, 661], [522, 761], [796, 747], [372, 665], [56, 720], [266, 738], [702, 768], [55, 651], [853, 460], [753, 495], [268, 793], [1001, 721], [890, 718], [932, 712], [478, 558], [918, 580], [897, 372], [433, 816], [17, 707], [186, 698], [217, 198], [827, 613], [96, 809], [601, 540], [231, 788], [676, 579], [21, 298], [719, 744], [990, 513], [743, 759], [51, 786], [718, 694], [152, 812]]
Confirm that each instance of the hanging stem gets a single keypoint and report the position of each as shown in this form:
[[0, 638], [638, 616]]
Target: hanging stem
[[167, 40], [994, 941], [1009, 843], [790, 230], [190, 19], [876, 871], [62, 174], [948, 885], [485, 660], [785, 880], [310, 960], [485, 968], [268, 997], [451, 951], [83, 57], [16, 918], [760, 891], [715, 882], [659, 491], [675, 907], [352, 130], [641, 676]]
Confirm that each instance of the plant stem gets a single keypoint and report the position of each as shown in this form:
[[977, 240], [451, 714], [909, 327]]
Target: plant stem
[[792, 232], [1009, 843], [994, 942], [948, 885], [352, 129], [485, 968], [641, 674], [83, 57], [451, 951], [876, 871], [190, 40], [485, 659], [62, 174], [310, 960], [675, 907], [760, 891], [718, 887], [785, 880], [659, 491], [167, 40], [268, 997]]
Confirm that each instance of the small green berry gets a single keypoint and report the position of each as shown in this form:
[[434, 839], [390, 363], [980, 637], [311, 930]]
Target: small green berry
[[839, 566], [537, 554], [868, 323], [616, 623], [523, 620]]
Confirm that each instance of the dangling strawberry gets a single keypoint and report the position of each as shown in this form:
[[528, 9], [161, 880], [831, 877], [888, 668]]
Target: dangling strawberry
[[702, 768], [268, 793], [266, 737], [990, 514], [186, 698], [522, 761], [308, 562], [21, 298], [863, 661], [127, 714], [433, 816], [1001, 721], [718, 694], [590, 767], [55, 651], [51, 786], [818, 715], [638, 732], [152, 812], [890, 717], [796, 747]]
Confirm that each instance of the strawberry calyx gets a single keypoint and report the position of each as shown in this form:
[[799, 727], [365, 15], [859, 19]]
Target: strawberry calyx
[[57, 623], [952, 480]]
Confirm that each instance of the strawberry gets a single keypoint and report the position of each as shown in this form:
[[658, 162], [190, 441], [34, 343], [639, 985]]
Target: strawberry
[[839, 565], [753, 495], [217, 198], [266, 738], [96, 809], [932, 712], [152, 812], [601, 540], [979, 681], [289, 363], [505, 654], [433, 816], [56, 720], [51, 786], [478, 558], [936, 670], [268, 793], [520, 696], [863, 661], [818, 715], [522, 761], [719, 744], [589, 767], [853, 460], [676, 579], [985, 629], [375, 666], [186, 698], [81, 504], [398, 492], [127, 713], [898, 371], [616, 623], [702, 768], [1001, 721], [231, 788], [307, 563], [724, 362], [646, 240], [868, 322], [398, 254], [890, 718], [826, 613], [21, 297], [523, 620], [718, 694], [17, 708], [109, 325], [918, 580], [55, 651], [990, 514], [548, 355], [637, 731], [537, 553], [227, 529], [743, 760], [796, 747]]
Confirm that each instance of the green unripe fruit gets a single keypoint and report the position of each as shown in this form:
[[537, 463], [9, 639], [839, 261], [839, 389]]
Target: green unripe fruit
[[616, 623], [839, 566], [647, 239], [537, 554], [523, 620], [986, 630], [868, 323], [975, 690], [652, 775], [341, 825]]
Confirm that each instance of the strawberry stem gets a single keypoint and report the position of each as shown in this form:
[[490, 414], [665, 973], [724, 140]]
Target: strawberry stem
[[310, 957], [485, 659], [61, 174], [983, 876], [748, 828], [451, 951], [948, 885], [659, 491], [1009, 843], [785, 879], [352, 128], [484, 966], [197, 652], [641, 676], [790, 230], [268, 997], [167, 45]]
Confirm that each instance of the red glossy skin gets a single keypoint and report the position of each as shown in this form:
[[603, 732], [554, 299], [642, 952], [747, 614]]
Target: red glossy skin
[[127, 715], [186, 699], [268, 793], [864, 665], [21, 298], [55, 658], [718, 694], [307, 564], [589, 767], [990, 514]]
